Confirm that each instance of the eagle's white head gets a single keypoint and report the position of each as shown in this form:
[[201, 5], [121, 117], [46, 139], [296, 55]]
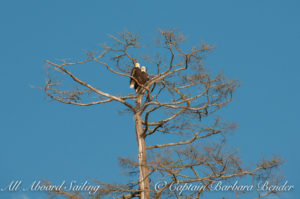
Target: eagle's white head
[[137, 65], [143, 68]]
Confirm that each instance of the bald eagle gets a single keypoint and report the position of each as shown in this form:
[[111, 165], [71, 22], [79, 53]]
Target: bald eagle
[[135, 72], [140, 76], [142, 79]]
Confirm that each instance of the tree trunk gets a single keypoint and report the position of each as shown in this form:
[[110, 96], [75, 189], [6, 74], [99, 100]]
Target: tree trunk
[[144, 172]]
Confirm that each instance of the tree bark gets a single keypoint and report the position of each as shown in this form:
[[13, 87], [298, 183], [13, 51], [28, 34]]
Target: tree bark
[[144, 172]]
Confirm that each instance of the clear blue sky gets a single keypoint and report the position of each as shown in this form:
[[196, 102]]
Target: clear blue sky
[[256, 42]]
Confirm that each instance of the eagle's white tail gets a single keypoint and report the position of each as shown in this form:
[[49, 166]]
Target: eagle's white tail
[[131, 85]]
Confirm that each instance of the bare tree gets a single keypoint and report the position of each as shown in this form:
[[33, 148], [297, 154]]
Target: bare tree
[[180, 101]]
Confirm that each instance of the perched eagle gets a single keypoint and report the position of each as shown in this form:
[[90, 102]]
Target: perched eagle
[[140, 75], [142, 79], [135, 72]]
